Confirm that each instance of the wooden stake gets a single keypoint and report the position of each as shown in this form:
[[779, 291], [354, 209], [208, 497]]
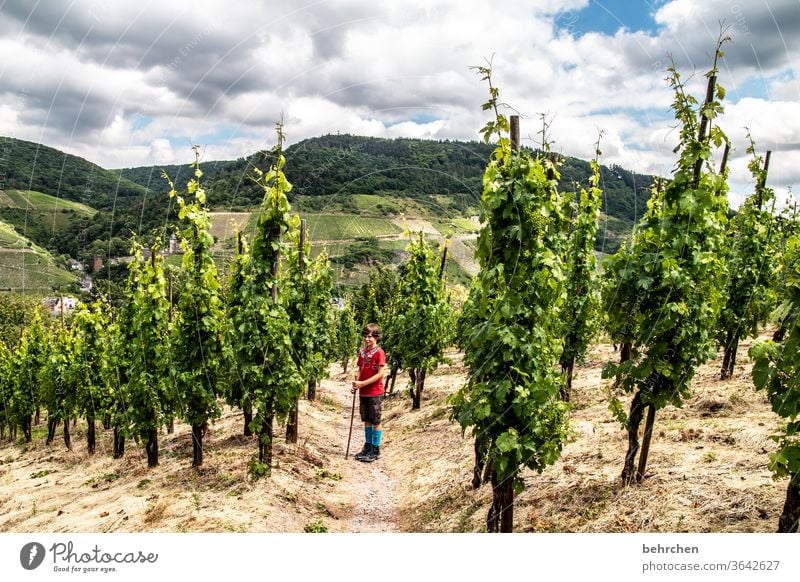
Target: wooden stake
[[762, 182], [169, 292], [648, 435], [701, 134], [725, 153], [514, 132], [766, 166], [292, 423], [350, 435], [444, 258]]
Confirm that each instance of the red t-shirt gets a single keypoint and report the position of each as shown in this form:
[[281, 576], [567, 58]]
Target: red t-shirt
[[369, 362]]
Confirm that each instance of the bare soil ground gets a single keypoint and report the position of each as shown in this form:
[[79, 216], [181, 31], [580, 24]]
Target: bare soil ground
[[707, 471]]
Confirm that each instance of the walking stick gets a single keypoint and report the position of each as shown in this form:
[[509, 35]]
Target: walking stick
[[349, 436]]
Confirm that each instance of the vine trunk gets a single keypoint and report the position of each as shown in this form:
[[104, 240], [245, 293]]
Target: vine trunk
[[197, 445], [501, 513], [791, 509]]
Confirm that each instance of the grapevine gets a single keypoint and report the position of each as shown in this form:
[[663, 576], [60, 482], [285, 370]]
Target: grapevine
[[678, 270], [197, 334], [513, 333]]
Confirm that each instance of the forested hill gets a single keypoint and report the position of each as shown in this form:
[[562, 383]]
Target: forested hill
[[325, 171], [124, 207], [331, 165], [30, 166], [341, 165]]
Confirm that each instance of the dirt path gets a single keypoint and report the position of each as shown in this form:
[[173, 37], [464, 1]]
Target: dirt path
[[48, 488], [371, 487]]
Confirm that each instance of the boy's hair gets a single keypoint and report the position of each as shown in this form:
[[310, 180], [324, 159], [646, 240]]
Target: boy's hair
[[372, 329]]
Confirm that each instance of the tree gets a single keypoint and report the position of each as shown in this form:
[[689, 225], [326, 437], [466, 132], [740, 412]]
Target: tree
[[238, 392], [419, 322], [776, 369], [374, 300], [583, 298], [320, 283], [750, 289], [787, 226], [197, 336], [619, 294], [58, 391], [16, 313], [679, 273], [514, 331], [6, 389], [119, 333], [309, 296]]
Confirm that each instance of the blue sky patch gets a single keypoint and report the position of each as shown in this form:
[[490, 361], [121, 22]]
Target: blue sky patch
[[630, 111], [419, 118], [222, 134], [756, 87], [140, 122], [608, 16]]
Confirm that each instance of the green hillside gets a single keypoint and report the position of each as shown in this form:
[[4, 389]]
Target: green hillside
[[26, 267], [333, 177], [336, 227], [39, 216], [125, 207], [438, 178], [323, 227], [28, 200], [10, 239], [32, 166]]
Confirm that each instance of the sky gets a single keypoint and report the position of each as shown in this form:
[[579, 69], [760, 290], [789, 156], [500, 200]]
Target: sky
[[137, 83]]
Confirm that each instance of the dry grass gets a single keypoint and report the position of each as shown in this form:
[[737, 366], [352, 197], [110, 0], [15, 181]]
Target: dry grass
[[707, 471]]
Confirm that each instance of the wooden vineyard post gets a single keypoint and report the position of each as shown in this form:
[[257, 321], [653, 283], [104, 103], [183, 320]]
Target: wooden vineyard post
[[171, 423], [291, 423], [444, 260], [501, 513], [514, 132], [266, 436]]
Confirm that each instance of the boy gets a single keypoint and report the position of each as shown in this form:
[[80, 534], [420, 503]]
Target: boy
[[369, 383]]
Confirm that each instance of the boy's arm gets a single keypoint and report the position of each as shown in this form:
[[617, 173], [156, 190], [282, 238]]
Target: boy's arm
[[378, 375]]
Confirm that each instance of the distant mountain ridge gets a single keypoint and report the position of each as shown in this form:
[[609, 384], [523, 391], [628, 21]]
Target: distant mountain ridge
[[33, 166], [321, 166], [443, 178], [342, 165]]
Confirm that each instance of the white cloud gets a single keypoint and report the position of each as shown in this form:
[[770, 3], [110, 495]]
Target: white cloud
[[308, 116], [784, 89], [160, 152], [412, 129], [81, 77]]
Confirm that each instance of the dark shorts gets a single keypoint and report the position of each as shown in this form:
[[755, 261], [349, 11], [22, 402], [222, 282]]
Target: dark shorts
[[370, 408]]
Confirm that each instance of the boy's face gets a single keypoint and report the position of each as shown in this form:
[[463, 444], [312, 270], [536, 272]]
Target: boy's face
[[369, 341]]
